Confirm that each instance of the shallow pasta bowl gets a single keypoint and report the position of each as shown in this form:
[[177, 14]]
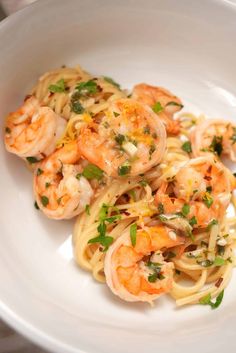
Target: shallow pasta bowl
[[186, 46]]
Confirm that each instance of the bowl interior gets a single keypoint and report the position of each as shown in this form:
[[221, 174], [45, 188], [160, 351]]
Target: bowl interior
[[186, 47]]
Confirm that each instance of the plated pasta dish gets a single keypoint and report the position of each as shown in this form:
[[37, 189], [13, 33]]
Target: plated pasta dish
[[146, 183]]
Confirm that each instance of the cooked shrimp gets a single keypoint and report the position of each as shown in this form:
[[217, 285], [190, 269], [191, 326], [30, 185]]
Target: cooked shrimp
[[33, 130], [204, 184], [139, 272], [128, 141], [60, 191], [168, 104], [214, 136]]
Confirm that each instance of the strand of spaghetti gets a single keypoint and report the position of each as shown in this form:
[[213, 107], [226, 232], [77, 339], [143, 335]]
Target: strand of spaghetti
[[214, 291], [179, 291]]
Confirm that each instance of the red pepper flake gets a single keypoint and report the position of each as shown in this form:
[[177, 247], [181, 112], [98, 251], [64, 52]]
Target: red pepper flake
[[218, 283]]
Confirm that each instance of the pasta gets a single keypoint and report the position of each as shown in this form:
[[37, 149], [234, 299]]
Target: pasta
[[146, 181]]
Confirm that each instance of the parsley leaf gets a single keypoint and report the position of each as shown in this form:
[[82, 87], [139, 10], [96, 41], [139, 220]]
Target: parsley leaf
[[157, 107], [187, 147], [104, 240], [212, 223], [185, 210], [32, 160], [207, 199], [216, 145], [207, 300], [219, 261], [120, 139], [39, 171], [124, 169], [133, 234], [160, 207], [87, 88], [44, 200], [75, 104], [87, 210], [193, 221], [58, 87], [91, 171]]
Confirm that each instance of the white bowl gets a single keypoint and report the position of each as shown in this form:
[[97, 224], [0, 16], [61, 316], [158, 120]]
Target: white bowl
[[187, 46]]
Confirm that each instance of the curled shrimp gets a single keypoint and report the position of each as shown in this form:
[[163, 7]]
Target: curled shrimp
[[214, 136], [138, 272], [204, 184], [168, 104], [32, 130], [60, 191], [128, 141]]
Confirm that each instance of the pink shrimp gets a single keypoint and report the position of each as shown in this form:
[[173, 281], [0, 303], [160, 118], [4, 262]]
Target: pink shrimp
[[138, 272], [168, 104]]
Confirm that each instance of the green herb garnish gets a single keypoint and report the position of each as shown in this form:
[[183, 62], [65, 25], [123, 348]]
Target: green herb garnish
[[187, 147], [207, 199], [207, 300], [193, 221], [87, 210], [133, 234], [185, 210], [44, 200], [143, 182], [160, 207], [32, 160], [146, 130], [219, 261], [39, 171], [212, 223], [7, 130], [157, 107], [47, 185], [124, 169], [91, 171], [87, 88], [216, 145], [120, 139], [58, 87], [75, 103]]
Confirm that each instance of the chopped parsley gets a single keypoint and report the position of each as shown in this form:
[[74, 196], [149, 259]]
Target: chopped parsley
[[212, 223], [156, 268], [58, 87], [157, 107], [75, 103], [102, 238], [87, 88], [32, 160], [124, 169], [219, 261], [207, 300], [187, 147], [47, 185], [120, 139], [91, 171], [7, 130], [209, 189], [110, 80], [185, 210], [116, 114], [133, 234], [193, 221], [152, 149], [143, 182], [207, 199], [216, 145], [39, 171], [160, 207], [87, 210], [44, 200], [205, 263]]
